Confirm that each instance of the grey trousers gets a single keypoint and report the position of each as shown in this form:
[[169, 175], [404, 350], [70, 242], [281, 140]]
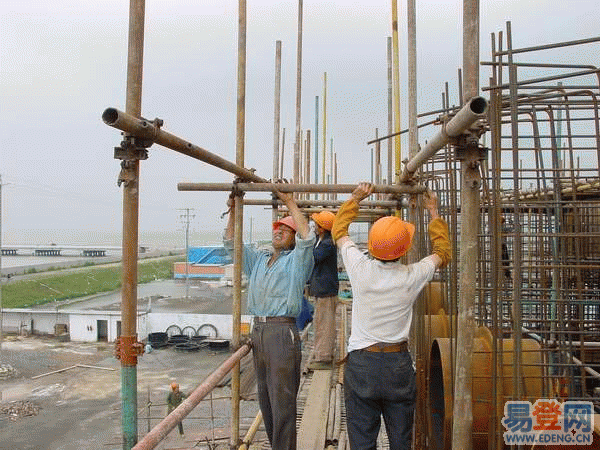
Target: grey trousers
[[325, 332], [277, 358]]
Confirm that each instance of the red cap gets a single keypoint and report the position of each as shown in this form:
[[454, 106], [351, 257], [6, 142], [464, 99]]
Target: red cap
[[288, 221]]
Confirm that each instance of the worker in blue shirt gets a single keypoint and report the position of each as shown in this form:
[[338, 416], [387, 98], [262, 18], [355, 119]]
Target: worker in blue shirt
[[276, 283]]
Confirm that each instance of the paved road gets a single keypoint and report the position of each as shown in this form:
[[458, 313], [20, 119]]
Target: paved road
[[76, 263]]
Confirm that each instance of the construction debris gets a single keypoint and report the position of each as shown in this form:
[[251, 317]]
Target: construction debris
[[7, 372], [19, 409]]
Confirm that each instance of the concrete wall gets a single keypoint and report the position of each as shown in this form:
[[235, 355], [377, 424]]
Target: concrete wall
[[19, 320], [82, 326]]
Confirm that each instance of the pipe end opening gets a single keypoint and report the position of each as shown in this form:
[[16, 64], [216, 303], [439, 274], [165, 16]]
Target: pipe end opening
[[478, 105], [110, 116]]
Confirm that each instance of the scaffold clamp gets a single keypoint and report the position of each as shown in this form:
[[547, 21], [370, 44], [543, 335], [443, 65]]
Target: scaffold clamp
[[127, 350]]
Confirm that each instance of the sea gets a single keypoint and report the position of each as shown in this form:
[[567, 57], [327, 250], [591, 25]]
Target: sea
[[159, 242]]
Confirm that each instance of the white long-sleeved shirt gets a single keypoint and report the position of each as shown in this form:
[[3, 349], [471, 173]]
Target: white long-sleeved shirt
[[383, 296]]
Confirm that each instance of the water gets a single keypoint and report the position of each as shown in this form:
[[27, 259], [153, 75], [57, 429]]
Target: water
[[153, 241]]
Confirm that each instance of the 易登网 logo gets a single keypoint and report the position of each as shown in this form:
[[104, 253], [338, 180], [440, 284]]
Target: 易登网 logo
[[548, 421]]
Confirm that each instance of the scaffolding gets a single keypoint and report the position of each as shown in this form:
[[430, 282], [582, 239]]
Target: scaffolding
[[517, 313]]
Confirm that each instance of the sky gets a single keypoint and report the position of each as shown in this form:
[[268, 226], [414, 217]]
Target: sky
[[63, 63]]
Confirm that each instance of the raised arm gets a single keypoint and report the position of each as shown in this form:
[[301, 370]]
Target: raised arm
[[231, 220], [348, 212], [295, 212], [438, 231]]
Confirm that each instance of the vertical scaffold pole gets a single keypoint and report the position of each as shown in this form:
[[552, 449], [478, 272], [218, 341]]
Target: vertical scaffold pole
[[126, 342], [390, 153], [324, 137], [316, 142], [277, 117], [298, 143], [470, 216], [238, 236], [396, 77]]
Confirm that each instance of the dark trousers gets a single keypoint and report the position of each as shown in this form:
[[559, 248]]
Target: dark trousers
[[277, 358], [377, 384], [180, 424]]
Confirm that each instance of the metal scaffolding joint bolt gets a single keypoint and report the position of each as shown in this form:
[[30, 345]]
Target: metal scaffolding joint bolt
[[127, 350]]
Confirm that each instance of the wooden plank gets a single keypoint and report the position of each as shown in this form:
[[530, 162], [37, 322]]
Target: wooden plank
[[313, 427]]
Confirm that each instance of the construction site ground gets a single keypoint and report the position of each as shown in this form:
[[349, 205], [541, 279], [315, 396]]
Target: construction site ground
[[80, 408]]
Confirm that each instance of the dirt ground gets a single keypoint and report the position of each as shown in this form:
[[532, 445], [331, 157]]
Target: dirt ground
[[80, 408]]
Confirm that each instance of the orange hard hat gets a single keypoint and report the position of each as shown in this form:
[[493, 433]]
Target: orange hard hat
[[390, 238], [324, 219], [288, 221], [174, 385]]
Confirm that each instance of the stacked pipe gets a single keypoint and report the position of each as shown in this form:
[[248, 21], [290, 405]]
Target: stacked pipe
[[440, 360]]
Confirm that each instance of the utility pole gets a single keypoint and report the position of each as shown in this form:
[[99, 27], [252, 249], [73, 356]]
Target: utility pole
[[1, 310], [187, 218]]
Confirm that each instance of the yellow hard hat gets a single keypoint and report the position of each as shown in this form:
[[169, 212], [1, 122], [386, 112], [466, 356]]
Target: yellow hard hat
[[324, 219], [174, 385], [390, 238]]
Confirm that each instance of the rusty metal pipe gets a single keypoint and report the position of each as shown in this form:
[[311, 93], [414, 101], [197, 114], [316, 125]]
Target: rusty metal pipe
[[126, 344], [239, 221], [330, 203], [262, 186], [298, 142], [145, 129], [160, 431], [277, 120], [474, 110]]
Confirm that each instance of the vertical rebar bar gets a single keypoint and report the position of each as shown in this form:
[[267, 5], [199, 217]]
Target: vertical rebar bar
[[307, 162], [517, 247], [377, 158], [133, 106]]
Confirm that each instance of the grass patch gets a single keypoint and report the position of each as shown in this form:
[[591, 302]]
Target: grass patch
[[89, 281]]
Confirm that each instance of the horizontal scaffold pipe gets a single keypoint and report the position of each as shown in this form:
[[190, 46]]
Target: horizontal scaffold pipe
[[329, 203], [288, 187], [160, 431], [370, 213], [145, 129], [474, 110]]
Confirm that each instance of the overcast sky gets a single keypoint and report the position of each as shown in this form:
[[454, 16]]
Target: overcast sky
[[63, 63]]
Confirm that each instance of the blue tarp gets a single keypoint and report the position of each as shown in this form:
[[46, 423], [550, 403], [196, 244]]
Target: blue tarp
[[208, 255]]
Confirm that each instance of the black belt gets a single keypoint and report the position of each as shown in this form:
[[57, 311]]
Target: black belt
[[274, 319]]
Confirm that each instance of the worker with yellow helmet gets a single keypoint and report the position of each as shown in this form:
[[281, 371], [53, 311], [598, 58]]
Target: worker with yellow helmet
[[379, 378], [323, 287]]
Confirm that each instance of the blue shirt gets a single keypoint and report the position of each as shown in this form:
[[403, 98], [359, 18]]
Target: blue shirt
[[277, 290]]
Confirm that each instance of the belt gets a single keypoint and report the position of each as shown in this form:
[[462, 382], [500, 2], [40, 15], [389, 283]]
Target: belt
[[384, 347], [274, 319]]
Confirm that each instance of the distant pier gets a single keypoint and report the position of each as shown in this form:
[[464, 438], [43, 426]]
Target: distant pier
[[60, 250]]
